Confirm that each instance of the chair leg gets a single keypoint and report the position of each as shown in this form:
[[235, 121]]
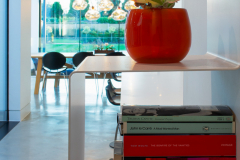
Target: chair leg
[[57, 80], [44, 74], [96, 83], [103, 82], [44, 80], [65, 81]]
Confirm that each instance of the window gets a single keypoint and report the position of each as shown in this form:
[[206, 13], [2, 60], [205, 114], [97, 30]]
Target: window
[[62, 30]]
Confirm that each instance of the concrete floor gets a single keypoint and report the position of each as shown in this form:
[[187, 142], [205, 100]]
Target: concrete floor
[[43, 135]]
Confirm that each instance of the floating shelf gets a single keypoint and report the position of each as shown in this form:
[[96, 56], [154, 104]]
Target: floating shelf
[[207, 62]]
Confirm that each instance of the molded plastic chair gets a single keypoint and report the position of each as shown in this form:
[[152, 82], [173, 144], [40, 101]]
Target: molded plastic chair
[[112, 97], [53, 62], [113, 74], [116, 91], [35, 63], [78, 58]]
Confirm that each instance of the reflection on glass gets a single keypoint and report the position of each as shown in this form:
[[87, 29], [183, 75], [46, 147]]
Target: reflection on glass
[[106, 5], [92, 14], [130, 5], [79, 4]]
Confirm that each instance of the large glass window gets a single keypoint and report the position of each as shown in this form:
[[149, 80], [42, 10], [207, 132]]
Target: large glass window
[[64, 29]]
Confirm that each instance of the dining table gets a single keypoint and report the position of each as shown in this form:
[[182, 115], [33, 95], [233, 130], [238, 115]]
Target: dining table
[[39, 56]]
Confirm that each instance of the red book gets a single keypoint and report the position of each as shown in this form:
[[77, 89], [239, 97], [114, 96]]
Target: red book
[[155, 158], [179, 145], [178, 158]]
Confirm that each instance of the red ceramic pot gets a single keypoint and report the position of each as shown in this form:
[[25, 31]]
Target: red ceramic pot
[[158, 35]]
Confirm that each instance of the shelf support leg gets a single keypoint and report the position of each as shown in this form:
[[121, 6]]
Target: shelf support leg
[[76, 130]]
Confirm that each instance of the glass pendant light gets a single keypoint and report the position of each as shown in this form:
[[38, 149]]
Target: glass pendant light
[[130, 5], [92, 14], [79, 4], [105, 5], [118, 14]]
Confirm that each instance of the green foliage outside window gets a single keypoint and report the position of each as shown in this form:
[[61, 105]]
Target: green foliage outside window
[[109, 20], [62, 29], [86, 29], [56, 10]]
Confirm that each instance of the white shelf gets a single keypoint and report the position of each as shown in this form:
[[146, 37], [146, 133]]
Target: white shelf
[[77, 88], [205, 62]]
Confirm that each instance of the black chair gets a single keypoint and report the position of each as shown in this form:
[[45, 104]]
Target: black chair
[[112, 97], [113, 74], [53, 62], [116, 76], [116, 91], [113, 94], [78, 58]]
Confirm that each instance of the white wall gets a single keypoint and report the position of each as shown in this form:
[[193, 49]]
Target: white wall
[[19, 55], [3, 60], [34, 26], [197, 85], [152, 88], [224, 41], [178, 4]]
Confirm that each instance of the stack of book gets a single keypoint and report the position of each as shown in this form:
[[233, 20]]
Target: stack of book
[[176, 133]]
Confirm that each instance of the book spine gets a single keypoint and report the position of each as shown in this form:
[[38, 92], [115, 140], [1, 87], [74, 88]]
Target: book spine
[[176, 158], [143, 158], [180, 145], [177, 118], [178, 128]]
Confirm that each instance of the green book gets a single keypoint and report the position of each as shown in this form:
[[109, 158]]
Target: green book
[[178, 128], [156, 113]]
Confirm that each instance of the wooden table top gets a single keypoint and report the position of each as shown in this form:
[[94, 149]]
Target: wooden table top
[[40, 55], [66, 54]]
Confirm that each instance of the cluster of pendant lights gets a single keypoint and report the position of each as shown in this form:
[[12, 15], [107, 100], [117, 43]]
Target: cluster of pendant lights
[[104, 5]]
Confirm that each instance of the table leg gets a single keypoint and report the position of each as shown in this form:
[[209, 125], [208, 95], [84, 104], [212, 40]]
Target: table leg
[[38, 76], [76, 134]]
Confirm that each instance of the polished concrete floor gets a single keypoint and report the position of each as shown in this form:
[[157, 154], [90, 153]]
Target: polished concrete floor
[[43, 135]]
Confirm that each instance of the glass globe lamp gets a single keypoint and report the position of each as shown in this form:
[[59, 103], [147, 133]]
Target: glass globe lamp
[[79, 4], [119, 14], [130, 5], [106, 5], [92, 14]]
